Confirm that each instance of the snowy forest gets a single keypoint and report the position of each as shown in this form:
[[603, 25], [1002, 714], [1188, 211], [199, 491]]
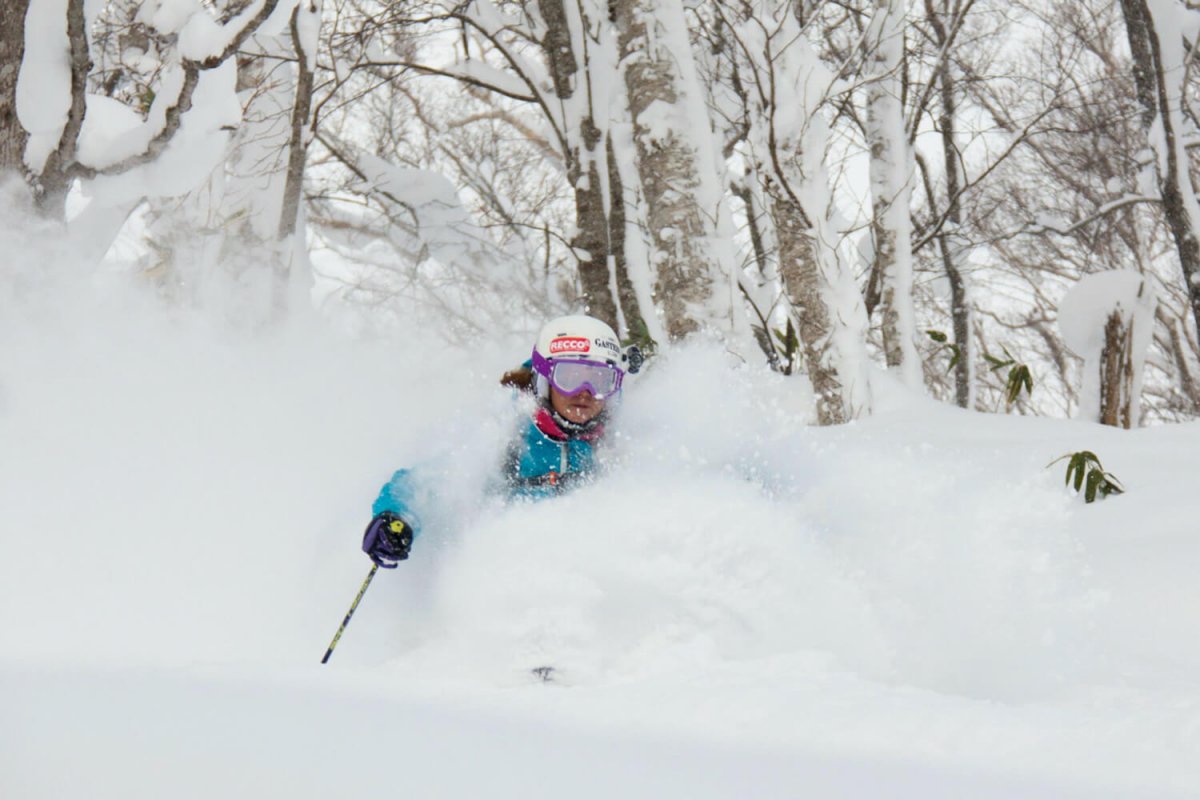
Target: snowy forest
[[900, 505], [818, 185]]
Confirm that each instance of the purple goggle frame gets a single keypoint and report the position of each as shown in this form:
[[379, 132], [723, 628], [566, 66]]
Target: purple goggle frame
[[571, 376]]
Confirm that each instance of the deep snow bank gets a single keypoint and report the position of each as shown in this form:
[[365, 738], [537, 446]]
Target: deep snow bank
[[913, 586], [138, 734]]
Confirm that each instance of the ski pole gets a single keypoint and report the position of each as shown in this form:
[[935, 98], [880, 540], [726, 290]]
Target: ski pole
[[350, 613]]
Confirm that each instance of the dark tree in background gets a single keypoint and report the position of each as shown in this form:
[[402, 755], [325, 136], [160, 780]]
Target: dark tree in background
[[12, 50]]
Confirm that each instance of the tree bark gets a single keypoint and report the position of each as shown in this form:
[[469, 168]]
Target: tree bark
[[55, 176], [672, 170], [585, 157], [1180, 205], [959, 309], [891, 186], [631, 308], [298, 143], [12, 50], [1144, 75], [591, 243], [807, 288], [1116, 373], [293, 188]]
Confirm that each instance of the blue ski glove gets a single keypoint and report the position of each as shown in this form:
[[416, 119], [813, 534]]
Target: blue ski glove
[[387, 540]]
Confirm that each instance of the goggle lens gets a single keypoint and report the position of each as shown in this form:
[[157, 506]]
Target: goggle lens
[[572, 377]]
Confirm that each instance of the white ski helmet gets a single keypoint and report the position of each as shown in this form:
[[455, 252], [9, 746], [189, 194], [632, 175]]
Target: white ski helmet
[[582, 340]]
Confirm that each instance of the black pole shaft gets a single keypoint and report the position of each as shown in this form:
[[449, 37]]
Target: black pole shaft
[[350, 613]]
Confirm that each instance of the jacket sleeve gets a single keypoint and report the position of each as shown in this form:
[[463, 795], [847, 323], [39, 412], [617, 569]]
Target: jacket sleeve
[[399, 497]]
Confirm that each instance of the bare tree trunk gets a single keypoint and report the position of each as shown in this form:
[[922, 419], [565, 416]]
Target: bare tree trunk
[[585, 157], [631, 309], [807, 286], [891, 187], [297, 157], [55, 176], [12, 50], [788, 146], [591, 243], [1180, 205], [1138, 32], [959, 310], [1180, 351], [671, 166], [1116, 373]]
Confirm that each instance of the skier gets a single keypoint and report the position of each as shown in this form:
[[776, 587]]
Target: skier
[[575, 373]]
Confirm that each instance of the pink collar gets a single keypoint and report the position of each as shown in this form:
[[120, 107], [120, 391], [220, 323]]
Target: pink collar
[[545, 423]]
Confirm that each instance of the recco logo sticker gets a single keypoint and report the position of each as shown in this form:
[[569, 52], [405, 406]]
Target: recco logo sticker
[[569, 344]]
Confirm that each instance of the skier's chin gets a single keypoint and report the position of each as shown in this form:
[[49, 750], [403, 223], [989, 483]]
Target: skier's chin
[[580, 413]]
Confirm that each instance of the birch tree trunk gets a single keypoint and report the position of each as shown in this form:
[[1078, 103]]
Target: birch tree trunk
[[12, 50], [1159, 72], [959, 308], [805, 269], [891, 171], [630, 307], [676, 166], [304, 28], [584, 153], [1117, 402], [55, 174], [786, 88]]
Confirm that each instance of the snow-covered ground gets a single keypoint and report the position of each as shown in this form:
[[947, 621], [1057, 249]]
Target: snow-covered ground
[[909, 606]]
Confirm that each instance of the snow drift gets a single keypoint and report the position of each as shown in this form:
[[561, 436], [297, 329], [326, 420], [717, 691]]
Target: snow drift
[[912, 605]]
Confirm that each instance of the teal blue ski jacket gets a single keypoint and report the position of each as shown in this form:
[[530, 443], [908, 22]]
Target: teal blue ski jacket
[[543, 460]]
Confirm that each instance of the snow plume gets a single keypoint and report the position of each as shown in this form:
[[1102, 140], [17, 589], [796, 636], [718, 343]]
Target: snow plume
[[180, 513], [648, 573], [194, 456], [34, 249]]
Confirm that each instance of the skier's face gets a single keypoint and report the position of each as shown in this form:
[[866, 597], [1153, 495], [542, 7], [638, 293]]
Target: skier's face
[[578, 408]]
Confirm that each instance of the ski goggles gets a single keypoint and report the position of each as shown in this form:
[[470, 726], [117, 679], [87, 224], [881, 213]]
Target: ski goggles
[[570, 377]]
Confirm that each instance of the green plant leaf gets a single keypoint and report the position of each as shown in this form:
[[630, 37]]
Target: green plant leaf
[[1079, 465], [954, 358], [996, 363], [937, 336], [1084, 473], [1094, 479]]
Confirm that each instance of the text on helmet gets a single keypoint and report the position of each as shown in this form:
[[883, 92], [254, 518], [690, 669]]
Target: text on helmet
[[569, 344]]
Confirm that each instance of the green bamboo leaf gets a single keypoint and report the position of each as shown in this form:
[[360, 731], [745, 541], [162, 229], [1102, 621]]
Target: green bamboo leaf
[[1014, 385], [1086, 475], [995, 362], [1080, 467], [937, 336], [1093, 481]]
